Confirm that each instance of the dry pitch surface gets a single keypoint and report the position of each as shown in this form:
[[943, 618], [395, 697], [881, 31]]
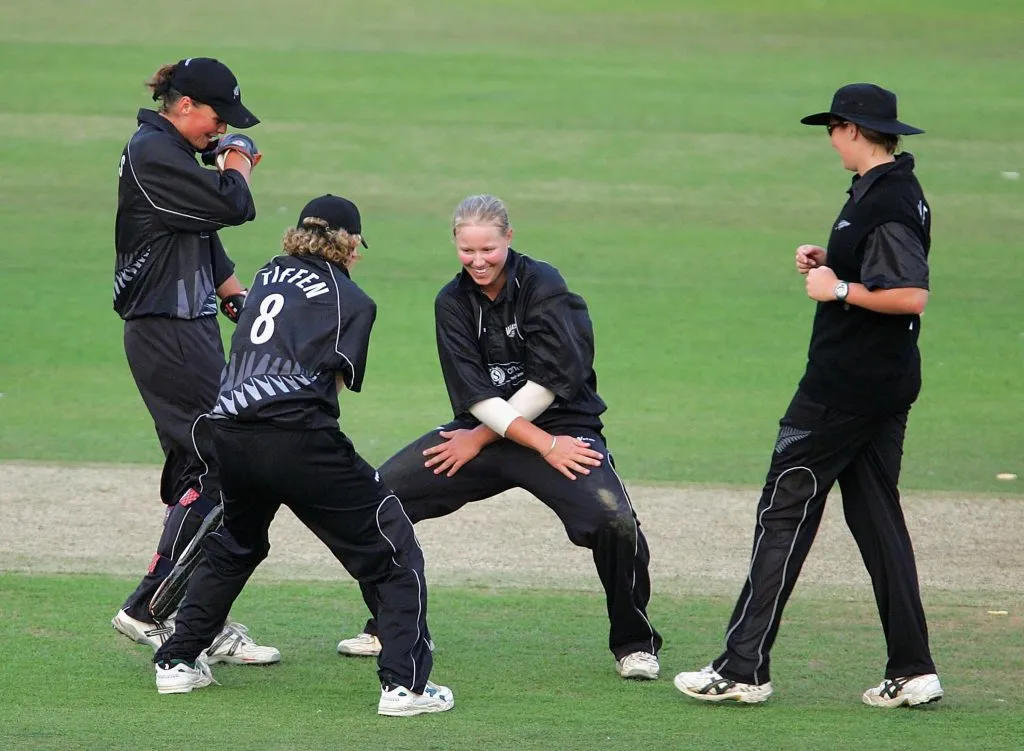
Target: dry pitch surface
[[105, 519]]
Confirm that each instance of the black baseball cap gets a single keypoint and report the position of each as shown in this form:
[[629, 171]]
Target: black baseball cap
[[211, 82], [864, 104], [338, 212]]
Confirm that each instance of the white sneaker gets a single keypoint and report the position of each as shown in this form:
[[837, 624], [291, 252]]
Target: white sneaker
[[899, 692], [179, 677], [642, 666], [398, 701], [150, 634], [364, 645], [707, 685], [234, 646]]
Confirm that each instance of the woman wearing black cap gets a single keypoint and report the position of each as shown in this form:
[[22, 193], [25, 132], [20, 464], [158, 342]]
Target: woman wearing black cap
[[517, 353], [170, 269], [302, 338], [846, 422]]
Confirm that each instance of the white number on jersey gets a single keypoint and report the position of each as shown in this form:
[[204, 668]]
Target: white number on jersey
[[263, 326]]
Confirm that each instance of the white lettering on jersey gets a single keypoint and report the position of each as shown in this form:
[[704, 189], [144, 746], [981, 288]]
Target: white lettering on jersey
[[304, 279]]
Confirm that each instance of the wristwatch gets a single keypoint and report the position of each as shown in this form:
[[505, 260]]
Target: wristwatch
[[841, 291]]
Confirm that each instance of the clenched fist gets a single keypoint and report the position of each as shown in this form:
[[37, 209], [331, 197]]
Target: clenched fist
[[821, 284], [809, 257]]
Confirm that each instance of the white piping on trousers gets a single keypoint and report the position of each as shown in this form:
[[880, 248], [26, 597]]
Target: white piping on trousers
[[419, 585], [636, 546], [753, 557]]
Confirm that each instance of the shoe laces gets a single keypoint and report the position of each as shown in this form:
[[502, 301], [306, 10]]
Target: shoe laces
[[239, 632], [645, 658]]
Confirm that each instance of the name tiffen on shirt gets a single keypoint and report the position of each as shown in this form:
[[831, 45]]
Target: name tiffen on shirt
[[304, 279]]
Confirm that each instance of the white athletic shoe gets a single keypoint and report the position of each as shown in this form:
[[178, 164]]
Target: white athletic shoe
[[398, 701], [179, 677], [234, 646], [150, 634], [899, 692], [642, 666], [707, 685], [364, 645]]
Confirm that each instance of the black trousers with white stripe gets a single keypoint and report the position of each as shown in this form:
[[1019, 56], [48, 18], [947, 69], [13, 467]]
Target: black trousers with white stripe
[[818, 446], [338, 496], [595, 510], [176, 364]]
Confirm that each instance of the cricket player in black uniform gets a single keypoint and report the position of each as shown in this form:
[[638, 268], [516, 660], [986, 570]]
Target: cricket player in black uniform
[[171, 267], [517, 350], [847, 421], [302, 337]]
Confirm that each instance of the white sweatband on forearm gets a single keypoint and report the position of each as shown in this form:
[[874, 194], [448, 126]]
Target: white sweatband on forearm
[[531, 400], [495, 413]]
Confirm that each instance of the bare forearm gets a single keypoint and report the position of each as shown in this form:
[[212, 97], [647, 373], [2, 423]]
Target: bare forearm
[[901, 301], [525, 433], [230, 286], [237, 161]]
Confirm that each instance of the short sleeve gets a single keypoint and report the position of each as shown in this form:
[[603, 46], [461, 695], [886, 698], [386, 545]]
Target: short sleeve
[[223, 267], [356, 314], [559, 340], [894, 258], [458, 348]]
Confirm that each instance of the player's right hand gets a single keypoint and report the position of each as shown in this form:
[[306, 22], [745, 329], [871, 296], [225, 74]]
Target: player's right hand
[[809, 257], [459, 447], [241, 143], [571, 455]]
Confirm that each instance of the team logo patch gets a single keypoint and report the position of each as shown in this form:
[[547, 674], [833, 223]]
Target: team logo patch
[[511, 330], [842, 224], [507, 373], [236, 93]]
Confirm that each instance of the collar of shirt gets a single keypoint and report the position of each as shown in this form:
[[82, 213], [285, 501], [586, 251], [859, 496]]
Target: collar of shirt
[[158, 121], [466, 283], [862, 183]]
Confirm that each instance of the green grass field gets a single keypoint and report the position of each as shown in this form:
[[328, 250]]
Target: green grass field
[[529, 670], [654, 155]]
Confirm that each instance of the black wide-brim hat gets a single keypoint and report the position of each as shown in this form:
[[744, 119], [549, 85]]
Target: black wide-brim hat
[[864, 104]]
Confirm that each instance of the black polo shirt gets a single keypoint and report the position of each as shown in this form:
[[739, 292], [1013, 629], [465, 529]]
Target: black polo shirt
[[169, 259], [535, 330], [858, 360], [304, 322]]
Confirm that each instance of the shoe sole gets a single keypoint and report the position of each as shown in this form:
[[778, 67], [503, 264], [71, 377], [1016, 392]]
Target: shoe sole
[[175, 690], [131, 638], [241, 661], [739, 698], [639, 675], [413, 711], [906, 702], [357, 652]]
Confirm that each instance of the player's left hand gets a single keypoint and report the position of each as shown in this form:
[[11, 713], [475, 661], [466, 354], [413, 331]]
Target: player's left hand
[[821, 284], [459, 447], [231, 306]]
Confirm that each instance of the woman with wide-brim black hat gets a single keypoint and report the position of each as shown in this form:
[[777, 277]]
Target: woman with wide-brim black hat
[[846, 422]]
